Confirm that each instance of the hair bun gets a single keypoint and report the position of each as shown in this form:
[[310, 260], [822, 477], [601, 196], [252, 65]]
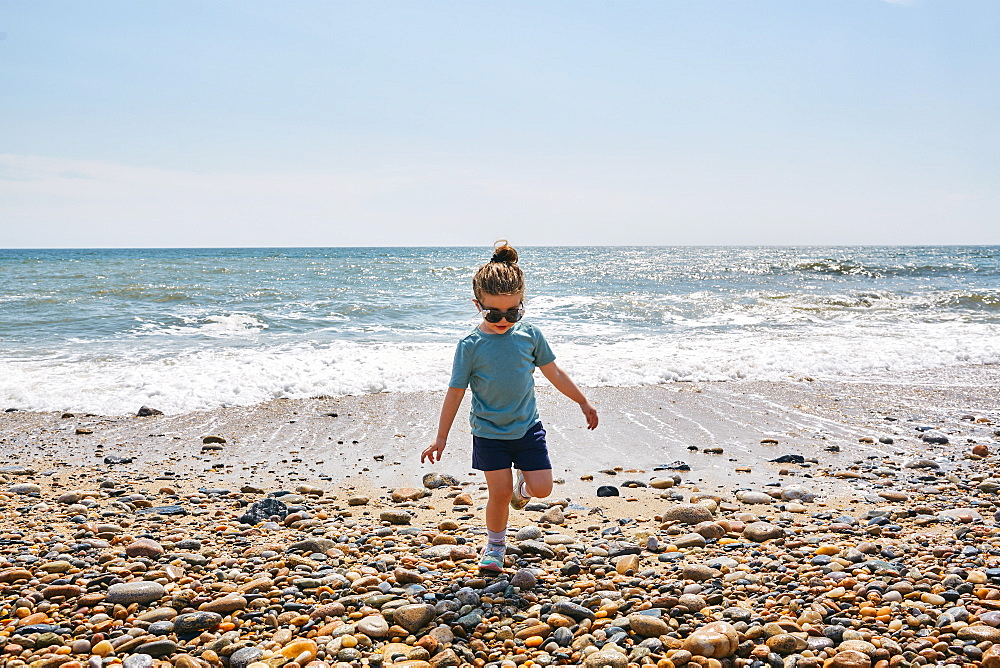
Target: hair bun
[[504, 252]]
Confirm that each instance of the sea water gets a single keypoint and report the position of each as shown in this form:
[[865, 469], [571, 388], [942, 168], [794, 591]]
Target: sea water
[[108, 330]]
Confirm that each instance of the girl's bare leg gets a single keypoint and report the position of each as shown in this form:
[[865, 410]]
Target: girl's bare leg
[[500, 484], [539, 483]]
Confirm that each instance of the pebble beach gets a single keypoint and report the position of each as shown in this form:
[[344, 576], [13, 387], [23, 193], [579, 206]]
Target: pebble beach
[[838, 525]]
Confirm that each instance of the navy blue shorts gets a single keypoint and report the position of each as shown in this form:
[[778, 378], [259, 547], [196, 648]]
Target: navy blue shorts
[[527, 453]]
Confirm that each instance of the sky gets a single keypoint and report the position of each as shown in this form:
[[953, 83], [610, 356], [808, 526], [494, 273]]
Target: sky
[[622, 122]]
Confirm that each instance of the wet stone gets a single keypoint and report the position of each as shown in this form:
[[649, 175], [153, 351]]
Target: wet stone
[[244, 656], [195, 622], [574, 610], [144, 547], [161, 628], [436, 480], [759, 532], [263, 510], [158, 648], [647, 625], [164, 510], [606, 659], [413, 617], [524, 580], [142, 591], [687, 513], [373, 626], [25, 488], [396, 517], [138, 661], [528, 533]]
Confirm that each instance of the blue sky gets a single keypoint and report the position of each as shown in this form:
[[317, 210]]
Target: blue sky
[[453, 123]]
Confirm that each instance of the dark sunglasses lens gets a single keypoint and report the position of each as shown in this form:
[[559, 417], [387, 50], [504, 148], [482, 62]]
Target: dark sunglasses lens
[[494, 316]]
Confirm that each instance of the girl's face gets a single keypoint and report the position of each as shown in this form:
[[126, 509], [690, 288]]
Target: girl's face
[[500, 303]]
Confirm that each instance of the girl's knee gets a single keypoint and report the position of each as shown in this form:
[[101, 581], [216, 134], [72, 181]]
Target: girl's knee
[[541, 490]]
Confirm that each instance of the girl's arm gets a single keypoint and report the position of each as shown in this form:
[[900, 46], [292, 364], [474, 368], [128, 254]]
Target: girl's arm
[[565, 384], [452, 400]]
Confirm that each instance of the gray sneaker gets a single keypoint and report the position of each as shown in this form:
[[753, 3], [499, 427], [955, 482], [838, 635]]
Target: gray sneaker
[[518, 500]]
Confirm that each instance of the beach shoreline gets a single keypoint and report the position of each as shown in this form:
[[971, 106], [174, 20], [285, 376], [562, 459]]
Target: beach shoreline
[[300, 533], [375, 440]]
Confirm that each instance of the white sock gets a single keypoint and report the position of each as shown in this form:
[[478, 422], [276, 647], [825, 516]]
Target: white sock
[[497, 538]]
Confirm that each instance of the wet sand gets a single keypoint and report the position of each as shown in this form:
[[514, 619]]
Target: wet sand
[[375, 440]]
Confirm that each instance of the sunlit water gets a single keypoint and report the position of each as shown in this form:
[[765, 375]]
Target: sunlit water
[[109, 330]]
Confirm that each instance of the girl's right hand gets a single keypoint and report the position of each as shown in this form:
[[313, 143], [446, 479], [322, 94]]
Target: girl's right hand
[[434, 451]]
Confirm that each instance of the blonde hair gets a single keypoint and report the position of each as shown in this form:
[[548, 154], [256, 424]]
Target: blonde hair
[[501, 275]]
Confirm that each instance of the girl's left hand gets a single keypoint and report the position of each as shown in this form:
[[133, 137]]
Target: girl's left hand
[[590, 413]]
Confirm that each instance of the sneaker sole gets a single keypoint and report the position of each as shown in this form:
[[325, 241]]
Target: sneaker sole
[[518, 502]]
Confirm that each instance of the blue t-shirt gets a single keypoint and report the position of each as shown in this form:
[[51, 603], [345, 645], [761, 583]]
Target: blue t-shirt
[[499, 369]]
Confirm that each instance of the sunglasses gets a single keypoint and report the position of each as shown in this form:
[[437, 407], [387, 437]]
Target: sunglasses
[[494, 315]]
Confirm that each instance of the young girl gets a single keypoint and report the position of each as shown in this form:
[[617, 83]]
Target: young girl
[[497, 360]]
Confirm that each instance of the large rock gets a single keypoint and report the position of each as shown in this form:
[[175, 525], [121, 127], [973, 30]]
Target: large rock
[[536, 547], [991, 657], [396, 517], [848, 659], [979, 633], [244, 656], [716, 640], [752, 498], [553, 515], [373, 626], [797, 493], [413, 617], [524, 579], [687, 513], [195, 622], [574, 610], [435, 480], [758, 532], [606, 659], [225, 605], [647, 625], [140, 591], [699, 572], [144, 547], [263, 510], [401, 494], [318, 545]]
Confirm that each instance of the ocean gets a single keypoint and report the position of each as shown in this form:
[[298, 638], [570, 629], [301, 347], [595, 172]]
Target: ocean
[[108, 330]]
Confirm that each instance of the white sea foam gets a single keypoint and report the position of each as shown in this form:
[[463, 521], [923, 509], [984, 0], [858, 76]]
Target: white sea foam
[[236, 324], [210, 377]]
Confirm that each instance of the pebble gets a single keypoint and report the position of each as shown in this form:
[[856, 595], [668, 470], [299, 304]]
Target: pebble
[[524, 580], [373, 626], [140, 591], [762, 531], [144, 547], [413, 617], [754, 498], [195, 622], [397, 517], [687, 513]]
